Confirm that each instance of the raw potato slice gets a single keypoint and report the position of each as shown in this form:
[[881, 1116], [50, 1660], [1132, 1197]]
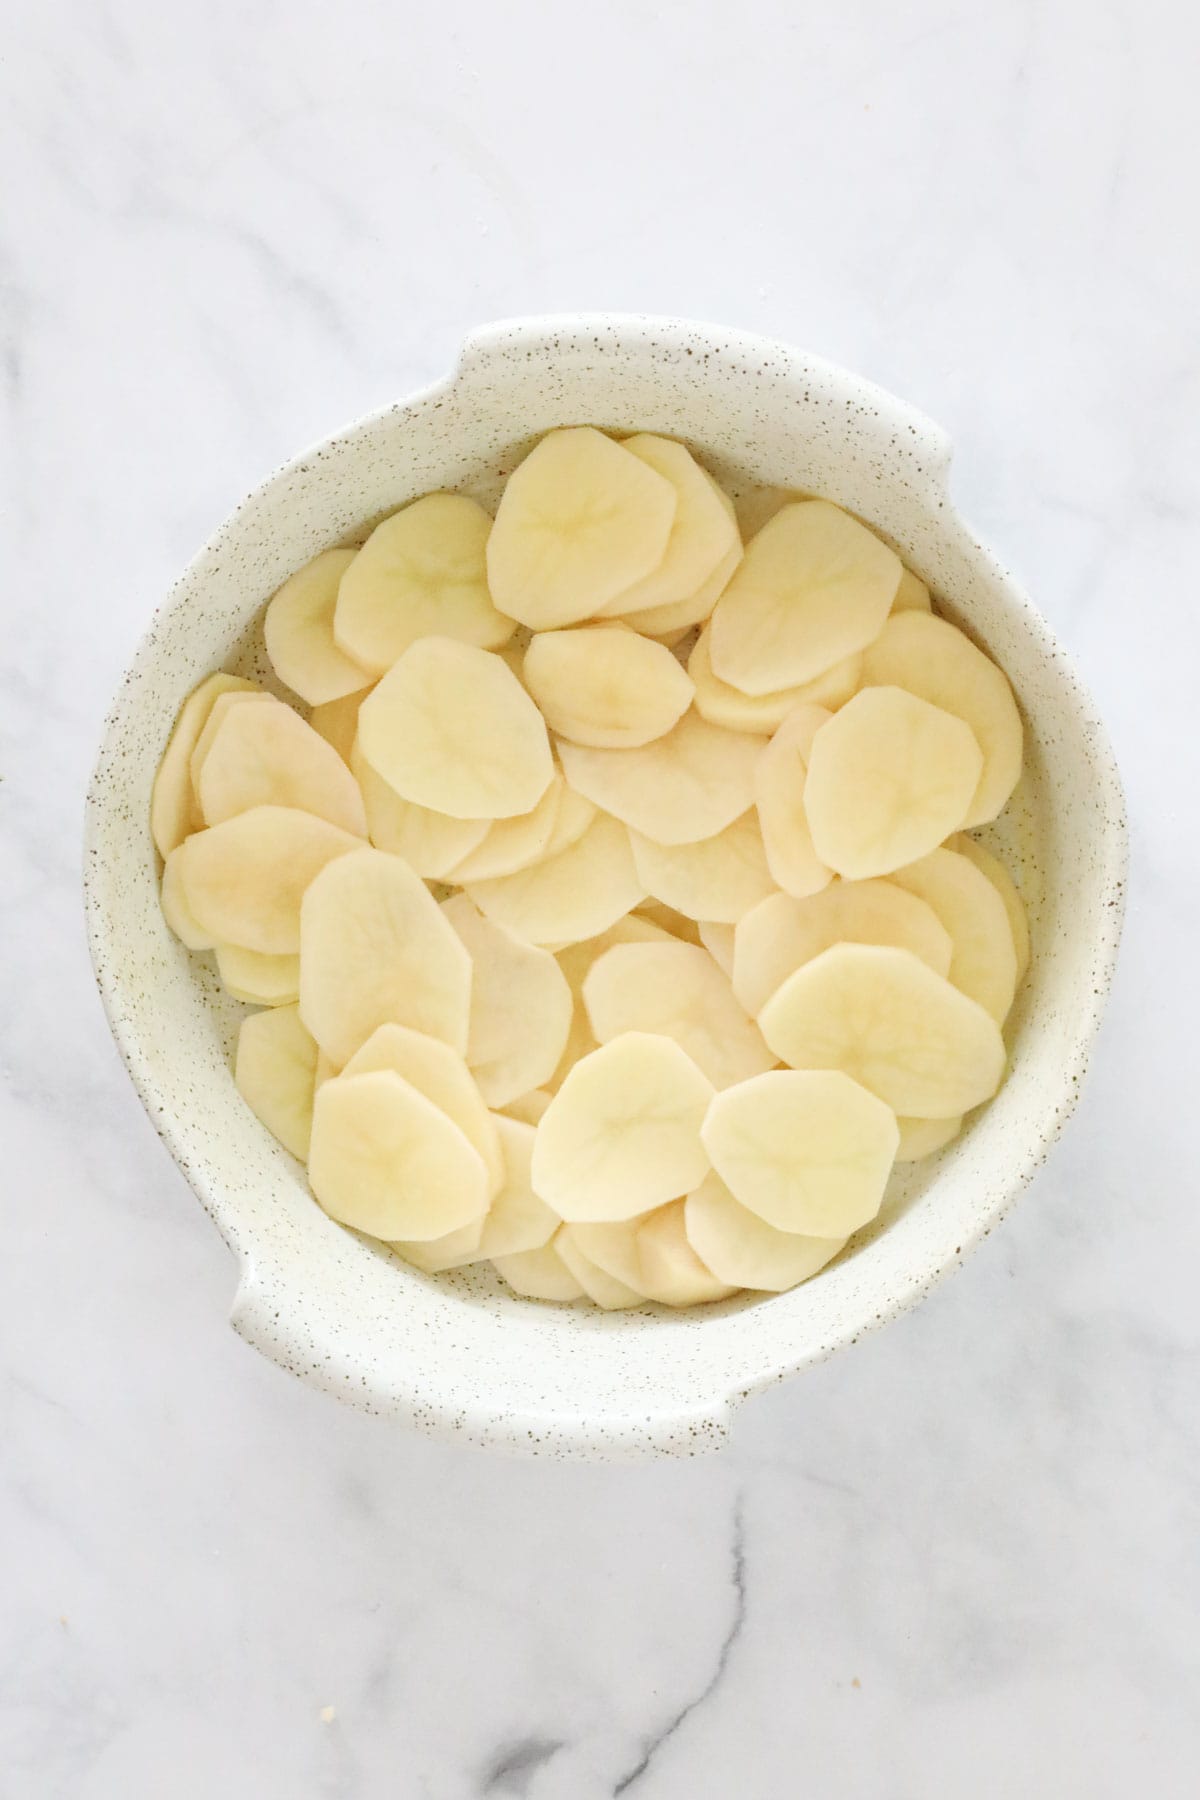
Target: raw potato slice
[[882, 1016], [521, 1006], [575, 895], [579, 521], [813, 587], [718, 940], [538, 1274], [722, 704], [622, 1134], [743, 1249], [783, 932], [337, 721], [661, 621], [808, 1150], [610, 689], [245, 879], [571, 820], [298, 630], [983, 962], [385, 1160], [675, 991], [1002, 881], [702, 534], [933, 659], [173, 810], [450, 727], [921, 1137], [439, 1073], [513, 844], [452, 1251], [176, 910], [779, 778], [419, 574], [889, 777], [614, 1249], [375, 949], [528, 1108], [675, 924], [685, 786], [671, 1272], [912, 595], [601, 1288], [720, 878], [267, 756], [220, 708], [431, 841], [257, 979], [274, 1070], [517, 1219]]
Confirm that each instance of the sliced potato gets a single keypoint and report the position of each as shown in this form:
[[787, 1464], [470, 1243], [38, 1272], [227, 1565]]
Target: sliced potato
[[438, 1072], [722, 704], [450, 727], [921, 1137], [528, 1108], [516, 843], [743, 1249], [668, 919], [685, 786], [257, 979], [601, 1288], [275, 1070], [298, 629], [703, 532], [337, 721], [675, 990], [720, 878], [176, 910], [517, 1220], [451, 1251], [622, 1134], [779, 778], [718, 940], [683, 615], [613, 1247], [572, 817], [521, 1006], [173, 810], [669, 1268], [605, 687], [244, 880], [983, 960], [808, 1150], [883, 1016], [266, 755], [538, 1274], [1002, 881], [217, 714], [912, 595], [432, 842], [422, 573], [376, 949], [566, 898]]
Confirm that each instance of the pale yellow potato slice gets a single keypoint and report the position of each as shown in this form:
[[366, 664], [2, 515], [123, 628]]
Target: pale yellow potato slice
[[912, 595], [601, 1288], [376, 949], [612, 689], [808, 1150], [720, 878], [275, 1069], [613, 1248], [633, 928], [571, 819], [675, 990], [743, 1249], [528, 1108], [176, 910], [622, 1134], [513, 844], [521, 1006], [718, 940], [1002, 881], [782, 932], [385, 1160], [703, 532], [814, 587], [245, 879], [565, 898], [337, 721], [432, 842], [933, 659], [451, 1251], [517, 1220], [779, 778], [298, 630], [722, 704], [173, 810], [450, 727], [883, 1016], [579, 521], [685, 786], [422, 573], [266, 755], [257, 979], [217, 714], [921, 1137], [889, 777], [538, 1274], [670, 1270], [440, 1073], [983, 960], [683, 615], [668, 919]]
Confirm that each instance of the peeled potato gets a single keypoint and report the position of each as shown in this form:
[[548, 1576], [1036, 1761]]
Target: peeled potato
[[572, 817], [601, 1288], [432, 842], [257, 979], [983, 960], [722, 704], [520, 1006], [685, 786], [385, 1160], [889, 777], [676, 991], [612, 1247], [266, 755], [921, 1137], [580, 520], [718, 940], [881, 1015], [512, 844], [782, 932], [538, 1274], [813, 587], [298, 629], [450, 727], [376, 949], [664, 621], [517, 1220], [720, 878], [703, 531], [1002, 881], [244, 879], [176, 910], [439, 1073], [173, 810], [604, 687], [221, 707], [669, 1268], [528, 1108], [422, 573], [337, 721], [808, 1150], [933, 659], [912, 595], [566, 898], [274, 1071], [622, 1134], [451, 1251], [779, 778], [743, 1249]]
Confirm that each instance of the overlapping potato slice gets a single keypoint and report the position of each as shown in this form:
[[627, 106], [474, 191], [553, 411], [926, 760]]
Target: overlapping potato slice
[[743, 1249], [517, 1220], [606, 687], [779, 779], [813, 587], [298, 631], [244, 879], [808, 1150], [538, 1274], [601, 1288], [421, 573], [439, 1072], [173, 809], [703, 533], [257, 979], [1005, 886], [720, 878], [983, 961], [675, 990], [572, 817], [274, 1070], [176, 911], [669, 1269], [521, 1006], [217, 714], [685, 786], [933, 659], [718, 940], [613, 1247], [724, 705], [375, 948], [921, 1137], [580, 520], [450, 727], [883, 1016], [516, 843], [566, 898], [453, 1250], [337, 721], [528, 1108], [432, 842], [668, 919], [912, 595], [622, 1134], [669, 623], [265, 755]]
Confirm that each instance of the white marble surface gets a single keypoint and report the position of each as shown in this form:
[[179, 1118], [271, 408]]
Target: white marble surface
[[959, 1560]]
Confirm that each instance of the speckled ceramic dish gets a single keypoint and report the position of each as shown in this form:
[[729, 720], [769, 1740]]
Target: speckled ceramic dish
[[459, 1355]]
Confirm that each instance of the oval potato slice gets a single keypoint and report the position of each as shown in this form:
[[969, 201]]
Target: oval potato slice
[[521, 1006], [719, 879], [685, 786], [724, 705], [298, 630], [244, 879], [267, 756], [432, 842], [257, 979], [779, 778], [663, 622], [274, 1071], [221, 707], [517, 1220], [538, 1274], [613, 1248], [174, 813], [571, 819], [175, 908], [575, 895], [452, 1251], [703, 532], [438, 1072], [670, 1271], [743, 1249], [983, 961], [512, 844], [1002, 881], [601, 1288], [677, 991], [921, 1137], [607, 688]]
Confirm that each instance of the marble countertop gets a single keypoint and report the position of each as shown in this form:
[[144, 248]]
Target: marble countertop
[[960, 1559]]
